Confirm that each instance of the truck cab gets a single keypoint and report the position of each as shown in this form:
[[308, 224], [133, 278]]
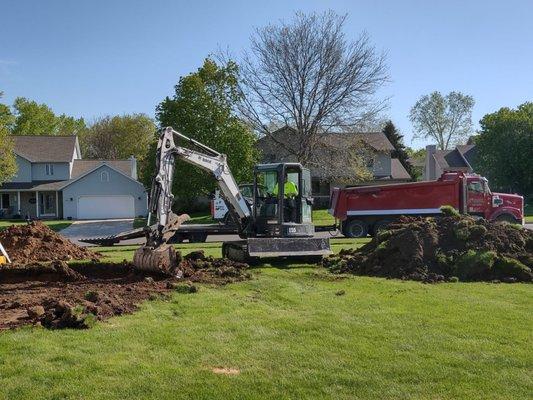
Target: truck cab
[[492, 206]]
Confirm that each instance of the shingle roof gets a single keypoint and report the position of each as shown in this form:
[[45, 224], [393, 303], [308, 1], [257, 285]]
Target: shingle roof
[[449, 159], [81, 167], [377, 140], [398, 171], [34, 185], [45, 148]]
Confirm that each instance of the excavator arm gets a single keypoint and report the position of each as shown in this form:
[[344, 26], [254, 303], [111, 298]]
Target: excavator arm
[[168, 150], [157, 255]]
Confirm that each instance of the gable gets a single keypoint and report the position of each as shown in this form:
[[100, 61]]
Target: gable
[[103, 177]]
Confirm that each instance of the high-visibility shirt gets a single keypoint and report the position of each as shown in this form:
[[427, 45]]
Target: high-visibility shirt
[[289, 189]]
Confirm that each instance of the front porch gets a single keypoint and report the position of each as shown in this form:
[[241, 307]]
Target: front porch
[[30, 204]]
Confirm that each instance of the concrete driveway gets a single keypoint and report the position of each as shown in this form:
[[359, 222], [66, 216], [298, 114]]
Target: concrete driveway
[[101, 228]]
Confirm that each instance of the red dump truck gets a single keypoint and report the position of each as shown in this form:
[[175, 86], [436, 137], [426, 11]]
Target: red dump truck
[[366, 210]]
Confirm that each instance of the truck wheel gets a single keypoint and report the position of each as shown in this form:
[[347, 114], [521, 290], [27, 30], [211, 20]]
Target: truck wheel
[[507, 218], [380, 226], [197, 237], [355, 228]]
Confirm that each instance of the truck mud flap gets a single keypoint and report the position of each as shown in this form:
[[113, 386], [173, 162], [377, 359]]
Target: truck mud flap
[[288, 247]]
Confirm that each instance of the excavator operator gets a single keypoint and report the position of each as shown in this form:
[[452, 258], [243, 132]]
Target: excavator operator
[[290, 191]]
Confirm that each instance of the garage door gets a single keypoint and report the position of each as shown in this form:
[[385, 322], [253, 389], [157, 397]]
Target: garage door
[[104, 207]]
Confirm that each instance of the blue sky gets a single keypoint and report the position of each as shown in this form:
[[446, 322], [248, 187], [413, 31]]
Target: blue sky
[[96, 57]]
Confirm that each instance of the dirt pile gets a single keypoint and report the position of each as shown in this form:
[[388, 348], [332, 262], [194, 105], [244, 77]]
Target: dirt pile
[[35, 242], [56, 295], [447, 248], [197, 267]]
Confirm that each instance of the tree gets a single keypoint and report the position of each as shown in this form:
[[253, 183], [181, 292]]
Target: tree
[[202, 108], [307, 75], [445, 119], [32, 118], [8, 165], [418, 158], [399, 152], [120, 137], [504, 149]]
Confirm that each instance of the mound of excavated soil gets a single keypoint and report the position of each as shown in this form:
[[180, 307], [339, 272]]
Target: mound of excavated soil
[[56, 295], [36, 242], [447, 248]]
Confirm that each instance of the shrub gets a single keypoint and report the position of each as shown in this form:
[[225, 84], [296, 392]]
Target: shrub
[[449, 211]]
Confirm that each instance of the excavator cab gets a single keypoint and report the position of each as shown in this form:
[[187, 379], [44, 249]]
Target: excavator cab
[[283, 208]]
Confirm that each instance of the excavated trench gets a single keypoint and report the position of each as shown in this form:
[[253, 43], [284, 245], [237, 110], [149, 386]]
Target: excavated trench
[[41, 288]]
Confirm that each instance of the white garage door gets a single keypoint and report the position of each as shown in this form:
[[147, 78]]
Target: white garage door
[[103, 207]]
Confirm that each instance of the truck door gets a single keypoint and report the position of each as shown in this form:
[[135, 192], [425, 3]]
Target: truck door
[[476, 199]]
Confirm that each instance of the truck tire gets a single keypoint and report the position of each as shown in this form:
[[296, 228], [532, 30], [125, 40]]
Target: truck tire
[[355, 228], [197, 237], [380, 225], [506, 218]]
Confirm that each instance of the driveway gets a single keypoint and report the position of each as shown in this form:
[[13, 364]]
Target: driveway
[[90, 229]]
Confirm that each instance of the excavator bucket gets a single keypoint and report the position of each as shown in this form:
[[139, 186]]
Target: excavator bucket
[[163, 258]]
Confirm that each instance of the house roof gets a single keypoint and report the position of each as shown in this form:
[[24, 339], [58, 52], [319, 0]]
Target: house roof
[[34, 185], [81, 167], [398, 171], [459, 158], [45, 148], [377, 140]]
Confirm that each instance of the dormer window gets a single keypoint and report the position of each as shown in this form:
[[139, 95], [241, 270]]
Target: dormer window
[[104, 176], [49, 169]]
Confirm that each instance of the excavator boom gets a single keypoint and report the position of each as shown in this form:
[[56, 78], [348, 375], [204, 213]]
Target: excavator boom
[[157, 255]]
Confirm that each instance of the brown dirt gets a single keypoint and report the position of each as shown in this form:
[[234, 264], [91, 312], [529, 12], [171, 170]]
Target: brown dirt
[[448, 248], [56, 295], [37, 242]]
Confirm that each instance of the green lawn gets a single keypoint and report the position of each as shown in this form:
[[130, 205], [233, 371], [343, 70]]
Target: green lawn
[[56, 225], [320, 217], [291, 337]]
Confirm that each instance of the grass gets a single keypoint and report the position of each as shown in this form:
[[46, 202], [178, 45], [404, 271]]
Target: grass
[[290, 337], [320, 217], [55, 225]]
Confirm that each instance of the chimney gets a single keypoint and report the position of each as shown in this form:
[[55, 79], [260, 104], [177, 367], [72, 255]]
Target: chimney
[[133, 161], [429, 167]]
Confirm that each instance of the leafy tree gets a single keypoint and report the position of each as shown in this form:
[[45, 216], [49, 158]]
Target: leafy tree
[[445, 119], [505, 149], [202, 108], [8, 165], [120, 137], [399, 151], [418, 157], [32, 118]]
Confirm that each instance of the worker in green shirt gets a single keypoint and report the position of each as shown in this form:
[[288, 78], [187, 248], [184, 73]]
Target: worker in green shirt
[[290, 191]]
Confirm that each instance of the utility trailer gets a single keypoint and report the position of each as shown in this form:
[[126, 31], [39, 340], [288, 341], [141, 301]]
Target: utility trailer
[[194, 233], [366, 210]]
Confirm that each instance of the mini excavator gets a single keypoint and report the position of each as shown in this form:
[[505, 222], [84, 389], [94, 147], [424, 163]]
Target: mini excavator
[[270, 224]]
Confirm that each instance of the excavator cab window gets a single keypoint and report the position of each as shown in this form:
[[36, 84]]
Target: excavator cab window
[[266, 202]]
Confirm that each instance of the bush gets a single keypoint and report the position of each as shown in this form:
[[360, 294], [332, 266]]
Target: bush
[[449, 211]]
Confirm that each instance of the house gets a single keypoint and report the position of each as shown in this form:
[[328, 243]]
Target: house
[[459, 159], [53, 181], [384, 168]]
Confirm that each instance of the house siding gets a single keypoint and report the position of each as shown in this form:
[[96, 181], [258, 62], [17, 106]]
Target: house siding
[[91, 185], [61, 172], [23, 170]]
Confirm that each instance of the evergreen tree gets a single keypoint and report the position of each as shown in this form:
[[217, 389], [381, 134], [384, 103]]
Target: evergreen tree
[[399, 151]]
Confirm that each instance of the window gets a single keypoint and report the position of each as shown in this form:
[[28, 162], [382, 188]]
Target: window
[[49, 169], [5, 200], [475, 186], [104, 176]]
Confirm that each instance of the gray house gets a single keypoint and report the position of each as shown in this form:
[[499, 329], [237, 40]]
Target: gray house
[[383, 167], [54, 182], [459, 159]]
